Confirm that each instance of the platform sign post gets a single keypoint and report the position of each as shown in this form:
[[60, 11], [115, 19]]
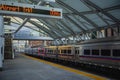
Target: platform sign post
[[28, 10]]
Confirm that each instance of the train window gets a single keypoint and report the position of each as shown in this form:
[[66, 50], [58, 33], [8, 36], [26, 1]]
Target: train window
[[69, 51], [65, 51], [116, 52], [105, 52], [95, 52], [40, 50], [50, 51], [86, 52]]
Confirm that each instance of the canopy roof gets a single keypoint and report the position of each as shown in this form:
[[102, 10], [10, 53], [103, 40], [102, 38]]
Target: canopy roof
[[79, 16]]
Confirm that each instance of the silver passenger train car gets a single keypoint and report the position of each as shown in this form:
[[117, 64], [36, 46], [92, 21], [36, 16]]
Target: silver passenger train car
[[104, 53]]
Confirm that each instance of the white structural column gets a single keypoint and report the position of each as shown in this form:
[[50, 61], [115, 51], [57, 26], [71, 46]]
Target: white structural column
[[1, 42]]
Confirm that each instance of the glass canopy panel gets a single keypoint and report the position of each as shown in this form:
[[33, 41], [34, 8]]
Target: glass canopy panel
[[76, 4], [24, 32], [29, 32], [65, 32], [52, 22], [9, 29], [110, 21], [31, 25], [60, 27], [106, 3], [79, 22], [35, 33], [87, 24], [34, 29], [44, 25], [115, 13], [58, 35], [16, 20], [13, 27], [96, 19], [18, 24], [33, 19], [56, 5], [63, 27], [73, 27]]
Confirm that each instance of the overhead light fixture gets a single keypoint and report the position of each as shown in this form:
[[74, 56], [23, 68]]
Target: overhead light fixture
[[47, 2]]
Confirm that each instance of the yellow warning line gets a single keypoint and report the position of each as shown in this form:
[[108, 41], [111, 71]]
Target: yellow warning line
[[95, 77]]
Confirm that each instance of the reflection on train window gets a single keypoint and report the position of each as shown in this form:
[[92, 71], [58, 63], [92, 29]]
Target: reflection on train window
[[48, 50], [86, 52], [41, 50], [65, 51], [105, 52], [69, 51], [95, 52], [51, 51], [116, 52]]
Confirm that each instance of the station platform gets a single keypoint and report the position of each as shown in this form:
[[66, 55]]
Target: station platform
[[28, 68]]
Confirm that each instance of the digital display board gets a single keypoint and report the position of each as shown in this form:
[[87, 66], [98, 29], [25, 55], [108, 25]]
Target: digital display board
[[49, 11]]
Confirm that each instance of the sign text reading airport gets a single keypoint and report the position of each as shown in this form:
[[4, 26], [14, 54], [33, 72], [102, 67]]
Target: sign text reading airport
[[29, 10]]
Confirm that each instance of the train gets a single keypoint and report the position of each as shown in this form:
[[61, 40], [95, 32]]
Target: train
[[102, 53]]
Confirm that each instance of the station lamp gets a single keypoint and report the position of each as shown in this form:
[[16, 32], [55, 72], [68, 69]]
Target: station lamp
[[47, 2]]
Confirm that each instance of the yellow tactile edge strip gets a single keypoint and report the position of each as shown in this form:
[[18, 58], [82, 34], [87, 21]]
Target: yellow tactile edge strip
[[94, 77]]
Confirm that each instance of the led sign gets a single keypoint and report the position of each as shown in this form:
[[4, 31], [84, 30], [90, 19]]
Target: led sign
[[49, 12]]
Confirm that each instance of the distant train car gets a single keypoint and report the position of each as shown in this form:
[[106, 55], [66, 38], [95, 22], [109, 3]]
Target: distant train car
[[28, 50], [51, 52], [36, 51], [106, 54], [66, 53], [41, 51]]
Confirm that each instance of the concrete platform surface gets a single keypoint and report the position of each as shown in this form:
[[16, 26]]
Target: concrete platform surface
[[22, 68]]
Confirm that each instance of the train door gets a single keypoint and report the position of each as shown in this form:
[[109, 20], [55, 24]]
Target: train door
[[39, 51], [57, 52], [43, 52], [76, 53]]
